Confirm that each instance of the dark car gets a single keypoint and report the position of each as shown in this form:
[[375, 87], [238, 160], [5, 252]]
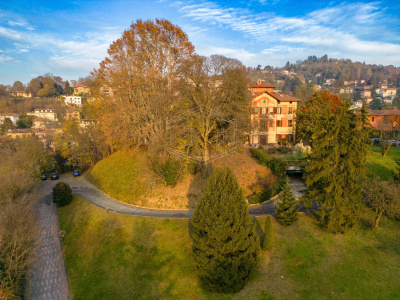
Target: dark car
[[43, 176], [77, 173], [376, 141], [54, 176]]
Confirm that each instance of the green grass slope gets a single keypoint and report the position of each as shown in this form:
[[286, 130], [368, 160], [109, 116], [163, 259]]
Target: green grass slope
[[383, 167], [112, 256], [124, 175]]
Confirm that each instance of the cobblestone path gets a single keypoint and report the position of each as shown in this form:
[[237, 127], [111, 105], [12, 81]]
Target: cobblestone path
[[48, 279]]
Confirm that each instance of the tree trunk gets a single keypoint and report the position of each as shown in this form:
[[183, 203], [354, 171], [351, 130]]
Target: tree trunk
[[378, 217]]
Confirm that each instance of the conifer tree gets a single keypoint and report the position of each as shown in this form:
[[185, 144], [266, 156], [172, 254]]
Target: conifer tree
[[268, 240], [67, 89], [225, 244], [286, 209], [337, 162]]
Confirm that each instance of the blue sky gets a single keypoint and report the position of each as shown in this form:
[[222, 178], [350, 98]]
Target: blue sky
[[70, 38]]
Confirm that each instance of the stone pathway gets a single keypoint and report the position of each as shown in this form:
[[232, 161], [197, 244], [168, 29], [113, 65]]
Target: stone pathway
[[48, 279]]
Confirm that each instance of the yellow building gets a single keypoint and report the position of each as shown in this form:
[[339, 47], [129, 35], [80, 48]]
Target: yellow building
[[272, 115], [19, 133]]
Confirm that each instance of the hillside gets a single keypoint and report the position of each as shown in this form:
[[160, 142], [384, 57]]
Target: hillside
[[128, 177]]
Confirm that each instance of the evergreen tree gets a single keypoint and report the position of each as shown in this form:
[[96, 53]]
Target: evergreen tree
[[225, 244], [286, 209], [67, 88], [268, 240], [337, 162]]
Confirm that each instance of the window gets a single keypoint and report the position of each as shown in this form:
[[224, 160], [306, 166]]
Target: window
[[373, 119], [263, 101], [279, 110], [290, 123], [263, 110], [271, 110], [279, 123], [290, 110]]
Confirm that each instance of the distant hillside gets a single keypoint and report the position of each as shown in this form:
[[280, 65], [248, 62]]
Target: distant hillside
[[302, 77]]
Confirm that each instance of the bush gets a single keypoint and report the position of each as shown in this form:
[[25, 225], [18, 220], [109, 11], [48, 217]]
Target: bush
[[277, 166], [171, 171], [62, 194], [268, 235]]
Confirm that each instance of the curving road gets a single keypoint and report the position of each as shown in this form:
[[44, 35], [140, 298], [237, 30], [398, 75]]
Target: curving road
[[81, 187]]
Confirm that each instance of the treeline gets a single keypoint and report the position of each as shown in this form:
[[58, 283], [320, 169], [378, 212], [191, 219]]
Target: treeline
[[21, 163]]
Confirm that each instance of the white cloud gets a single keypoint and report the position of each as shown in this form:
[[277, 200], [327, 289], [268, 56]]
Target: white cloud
[[9, 33], [349, 30], [4, 58]]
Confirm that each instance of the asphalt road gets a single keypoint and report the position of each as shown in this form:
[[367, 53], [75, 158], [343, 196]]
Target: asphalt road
[[81, 187]]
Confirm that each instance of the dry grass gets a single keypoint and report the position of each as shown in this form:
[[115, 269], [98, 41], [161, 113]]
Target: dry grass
[[128, 177]]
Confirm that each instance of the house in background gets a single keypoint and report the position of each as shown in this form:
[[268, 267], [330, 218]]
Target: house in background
[[73, 101], [384, 119], [13, 117], [22, 94], [81, 89], [272, 115], [19, 133], [49, 114]]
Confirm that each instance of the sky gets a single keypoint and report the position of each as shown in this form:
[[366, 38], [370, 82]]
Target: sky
[[70, 38]]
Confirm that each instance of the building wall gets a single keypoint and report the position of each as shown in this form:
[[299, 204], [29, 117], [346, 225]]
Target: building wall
[[270, 120]]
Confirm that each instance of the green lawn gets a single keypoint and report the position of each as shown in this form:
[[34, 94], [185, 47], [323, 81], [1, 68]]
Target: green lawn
[[383, 166], [111, 256]]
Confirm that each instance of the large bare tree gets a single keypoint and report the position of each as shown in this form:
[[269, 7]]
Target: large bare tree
[[141, 71], [215, 88]]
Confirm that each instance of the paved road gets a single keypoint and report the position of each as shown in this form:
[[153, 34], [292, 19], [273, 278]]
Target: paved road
[[48, 279], [80, 186]]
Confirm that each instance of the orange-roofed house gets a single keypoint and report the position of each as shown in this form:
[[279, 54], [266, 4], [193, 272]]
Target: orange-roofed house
[[81, 89], [272, 115], [384, 119]]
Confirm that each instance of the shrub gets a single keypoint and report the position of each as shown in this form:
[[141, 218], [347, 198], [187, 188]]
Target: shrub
[[225, 244], [277, 166], [62, 194], [268, 235], [171, 171]]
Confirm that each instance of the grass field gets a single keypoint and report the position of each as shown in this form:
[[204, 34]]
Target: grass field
[[111, 256], [383, 166]]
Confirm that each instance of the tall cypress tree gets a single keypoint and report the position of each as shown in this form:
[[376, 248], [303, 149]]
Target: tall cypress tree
[[336, 163], [67, 89], [225, 244], [286, 209]]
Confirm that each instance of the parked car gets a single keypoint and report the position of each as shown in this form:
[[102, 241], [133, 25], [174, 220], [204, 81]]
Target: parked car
[[54, 176], [77, 173], [376, 141], [43, 176]]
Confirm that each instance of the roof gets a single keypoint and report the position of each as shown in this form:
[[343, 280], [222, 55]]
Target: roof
[[392, 112], [19, 130], [283, 97], [81, 85], [9, 115], [261, 85]]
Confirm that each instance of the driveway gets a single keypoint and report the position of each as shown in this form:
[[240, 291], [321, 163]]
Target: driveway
[[81, 187]]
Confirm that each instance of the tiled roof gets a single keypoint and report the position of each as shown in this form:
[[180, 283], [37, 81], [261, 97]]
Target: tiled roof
[[393, 112], [262, 85], [19, 130], [283, 97]]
